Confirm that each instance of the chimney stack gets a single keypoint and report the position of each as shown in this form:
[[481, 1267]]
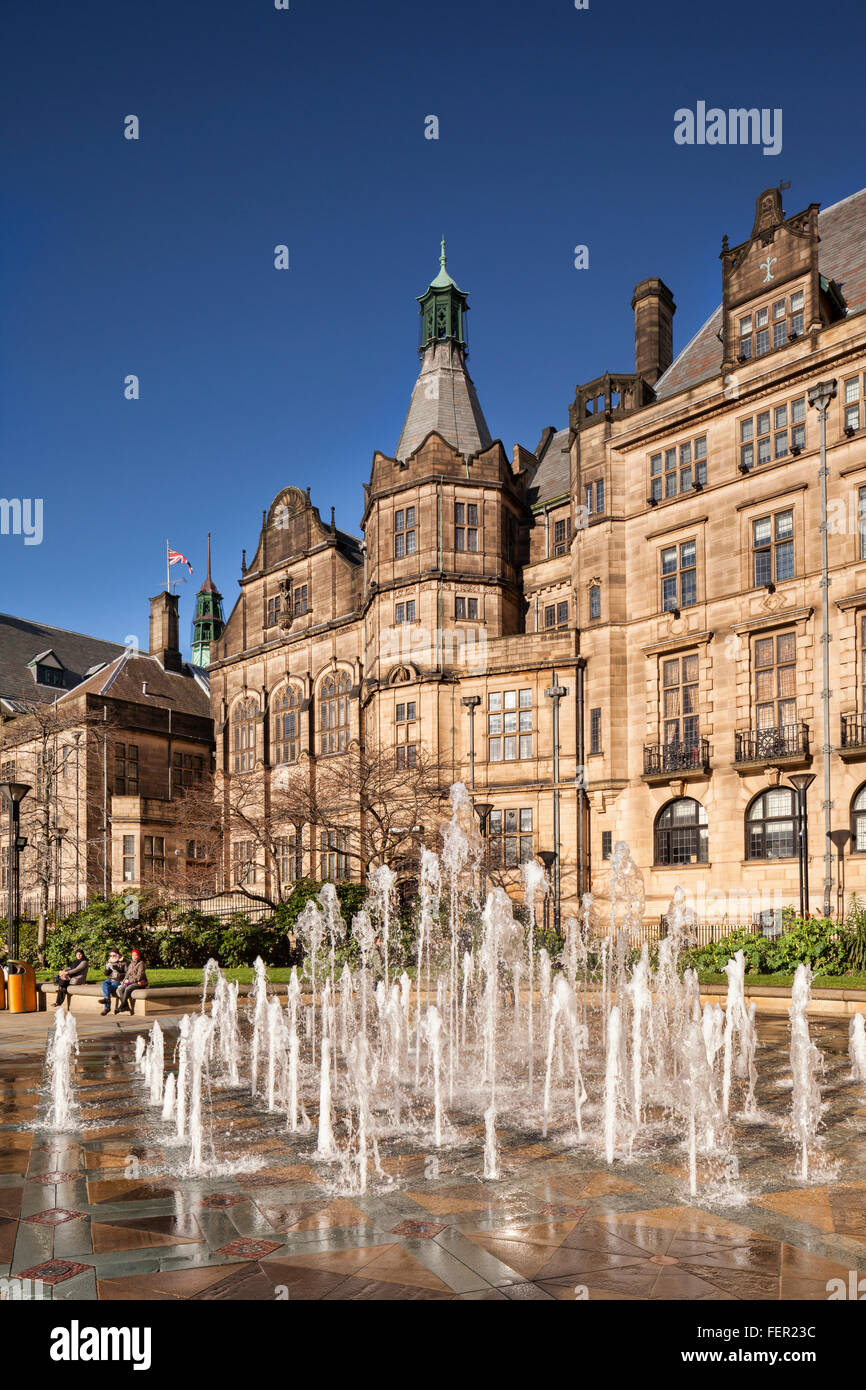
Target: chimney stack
[[164, 631], [654, 310]]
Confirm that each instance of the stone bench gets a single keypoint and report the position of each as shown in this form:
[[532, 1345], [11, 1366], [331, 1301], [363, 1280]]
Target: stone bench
[[167, 999], [87, 999]]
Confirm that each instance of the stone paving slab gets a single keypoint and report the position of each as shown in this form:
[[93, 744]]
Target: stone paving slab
[[122, 1221]]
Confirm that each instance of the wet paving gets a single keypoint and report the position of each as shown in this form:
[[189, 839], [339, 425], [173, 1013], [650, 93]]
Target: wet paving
[[105, 1210]]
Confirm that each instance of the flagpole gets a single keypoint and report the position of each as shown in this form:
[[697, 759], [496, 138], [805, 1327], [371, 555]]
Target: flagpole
[[167, 569]]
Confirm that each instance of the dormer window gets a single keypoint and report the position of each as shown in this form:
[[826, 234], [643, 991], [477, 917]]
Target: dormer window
[[773, 324], [47, 669], [49, 675]]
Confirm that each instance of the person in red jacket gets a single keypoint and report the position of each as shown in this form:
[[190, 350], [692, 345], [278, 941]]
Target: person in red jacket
[[135, 978]]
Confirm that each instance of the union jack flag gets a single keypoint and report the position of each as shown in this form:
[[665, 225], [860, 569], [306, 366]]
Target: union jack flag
[[175, 557]]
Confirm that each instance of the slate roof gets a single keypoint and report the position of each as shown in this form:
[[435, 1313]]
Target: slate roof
[[444, 399], [553, 474], [841, 257], [126, 676], [21, 641]]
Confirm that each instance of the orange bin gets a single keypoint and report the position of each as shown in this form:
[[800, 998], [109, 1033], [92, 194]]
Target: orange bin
[[20, 987]]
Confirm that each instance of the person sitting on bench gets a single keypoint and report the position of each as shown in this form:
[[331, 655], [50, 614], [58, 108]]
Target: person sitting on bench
[[74, 974], [115, 970], [135, 978]]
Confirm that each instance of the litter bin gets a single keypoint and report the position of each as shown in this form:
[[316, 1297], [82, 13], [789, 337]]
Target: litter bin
[[2, 990], [20, 987]]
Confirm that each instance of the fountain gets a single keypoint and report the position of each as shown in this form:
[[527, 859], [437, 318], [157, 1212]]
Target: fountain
[[62, 1052], [857, 1047], [594, 1045], [806, 1066], [154, 1064]]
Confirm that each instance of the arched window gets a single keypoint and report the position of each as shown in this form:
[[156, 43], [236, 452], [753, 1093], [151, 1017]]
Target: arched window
[[334, 713], [287, 725], [858, 822], [244, 734], [771, 825], [681, 833]]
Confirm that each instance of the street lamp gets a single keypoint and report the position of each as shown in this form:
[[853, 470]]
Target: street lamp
[[58, 832], [471, 703], [556, 692], [820, 397], [801, 784], [14, 793], [840, 839], [548, 858], [482, 809]]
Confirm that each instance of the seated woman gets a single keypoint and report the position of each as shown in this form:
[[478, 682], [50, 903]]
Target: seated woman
[[74, 974], [115, 969], [135, 978]]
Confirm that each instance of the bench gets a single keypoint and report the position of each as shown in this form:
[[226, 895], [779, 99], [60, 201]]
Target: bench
[[87, 999]]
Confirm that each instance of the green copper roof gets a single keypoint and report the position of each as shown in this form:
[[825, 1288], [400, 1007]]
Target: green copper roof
[[443, 279]]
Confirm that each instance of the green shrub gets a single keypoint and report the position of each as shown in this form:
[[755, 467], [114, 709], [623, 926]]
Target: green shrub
[[823, 944], [27, 941], [713, 957]]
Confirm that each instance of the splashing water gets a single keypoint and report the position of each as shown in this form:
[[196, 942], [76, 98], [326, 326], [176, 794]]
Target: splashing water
[[857, 1047], [62, 1052], [806, 1066]]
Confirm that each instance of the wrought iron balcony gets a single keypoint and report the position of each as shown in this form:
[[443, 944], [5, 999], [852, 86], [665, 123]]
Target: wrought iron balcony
[[788, 742], [664, 759], [853, 736]]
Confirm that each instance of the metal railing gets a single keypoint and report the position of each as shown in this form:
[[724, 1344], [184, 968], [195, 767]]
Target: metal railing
[[685, 756], [853, 731], [782, 741]]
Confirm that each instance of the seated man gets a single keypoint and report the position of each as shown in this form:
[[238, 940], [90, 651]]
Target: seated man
[[74, 974], [135, 978], [114, 969]]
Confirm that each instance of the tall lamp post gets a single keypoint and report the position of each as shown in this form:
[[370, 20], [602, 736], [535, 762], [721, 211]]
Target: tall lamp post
[[840, 839], [801, 784], [14, 793], [548, 858], [556, 692], [482, 810], [820, 397], [471, 703]]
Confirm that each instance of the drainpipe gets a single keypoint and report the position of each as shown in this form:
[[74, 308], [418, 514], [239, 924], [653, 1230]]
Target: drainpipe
[[581, 779], [105, 805], [439, 654], [820, 397], [555, 692]]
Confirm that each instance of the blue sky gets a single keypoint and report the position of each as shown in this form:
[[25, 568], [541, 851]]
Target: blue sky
[[306, 128]]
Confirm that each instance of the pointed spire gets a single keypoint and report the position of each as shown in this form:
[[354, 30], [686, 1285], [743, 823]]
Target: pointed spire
[[208, 623], [444, 397], [443, 280], [208, 587]]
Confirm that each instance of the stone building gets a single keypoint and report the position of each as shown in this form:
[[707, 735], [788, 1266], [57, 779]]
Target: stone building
[[110, 758], [698, 583], [650, 577], [444, 626]]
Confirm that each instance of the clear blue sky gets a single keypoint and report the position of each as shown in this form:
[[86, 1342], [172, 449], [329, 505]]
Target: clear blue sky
[[306, 127]]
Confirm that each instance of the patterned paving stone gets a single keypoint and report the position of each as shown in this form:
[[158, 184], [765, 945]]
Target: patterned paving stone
[[54, 1216], [425, 1230], [54, 1271], [249, 1249]]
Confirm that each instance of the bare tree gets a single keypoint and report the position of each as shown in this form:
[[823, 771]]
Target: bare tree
[[39, 747], [370, 805]]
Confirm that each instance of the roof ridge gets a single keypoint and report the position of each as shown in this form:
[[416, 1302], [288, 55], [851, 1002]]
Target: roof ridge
[[68, 631]]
